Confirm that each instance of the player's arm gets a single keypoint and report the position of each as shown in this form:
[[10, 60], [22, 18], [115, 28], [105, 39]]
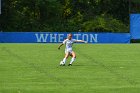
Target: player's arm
[[60, 46], [64, 42], [80, 41]]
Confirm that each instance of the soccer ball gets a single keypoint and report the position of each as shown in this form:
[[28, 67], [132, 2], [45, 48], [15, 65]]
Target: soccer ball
[[62, 63]]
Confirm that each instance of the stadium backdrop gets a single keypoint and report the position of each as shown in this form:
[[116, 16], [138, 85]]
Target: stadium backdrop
[[58, 37]]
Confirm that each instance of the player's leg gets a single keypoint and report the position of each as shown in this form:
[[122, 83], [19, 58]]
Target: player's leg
[[73, 58], [66, 56]]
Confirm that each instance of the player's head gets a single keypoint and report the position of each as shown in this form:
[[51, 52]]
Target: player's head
[[69, 36]]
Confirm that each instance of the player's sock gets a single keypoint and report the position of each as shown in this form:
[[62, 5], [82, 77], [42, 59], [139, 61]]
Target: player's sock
[[64, 60], [72, 60]]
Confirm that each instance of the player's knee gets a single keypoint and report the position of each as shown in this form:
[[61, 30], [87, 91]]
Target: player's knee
[[74, 56], [66, 57]]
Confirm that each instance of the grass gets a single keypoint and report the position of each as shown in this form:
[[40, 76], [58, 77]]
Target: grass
[[34, 68]]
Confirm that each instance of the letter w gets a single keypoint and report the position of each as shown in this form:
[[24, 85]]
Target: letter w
[[41, 37]]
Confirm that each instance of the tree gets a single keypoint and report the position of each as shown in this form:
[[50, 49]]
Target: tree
[[66, 15]]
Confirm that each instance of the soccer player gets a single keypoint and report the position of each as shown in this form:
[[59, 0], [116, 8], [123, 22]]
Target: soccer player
[[68, 50]]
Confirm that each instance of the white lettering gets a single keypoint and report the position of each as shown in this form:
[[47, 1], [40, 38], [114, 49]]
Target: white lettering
[[53, 37], [85, 37], [41, 37], [67, 35], [94, 38], [77, 36], [60, 37]]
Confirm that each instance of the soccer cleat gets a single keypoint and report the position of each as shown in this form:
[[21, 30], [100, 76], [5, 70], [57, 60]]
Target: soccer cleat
[[70, 65], [62, 64]]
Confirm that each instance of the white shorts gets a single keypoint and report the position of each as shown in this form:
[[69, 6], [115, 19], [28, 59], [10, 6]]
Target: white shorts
[[68, 50]]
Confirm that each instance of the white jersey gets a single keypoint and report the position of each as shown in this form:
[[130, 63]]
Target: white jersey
[[68, 44]]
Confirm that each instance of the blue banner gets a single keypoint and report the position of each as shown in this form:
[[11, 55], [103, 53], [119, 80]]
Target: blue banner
[[58, 37], [135, 26]]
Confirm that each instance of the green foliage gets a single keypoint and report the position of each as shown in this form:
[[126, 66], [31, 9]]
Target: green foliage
[[65, 15], [104, 23], [31, 15]]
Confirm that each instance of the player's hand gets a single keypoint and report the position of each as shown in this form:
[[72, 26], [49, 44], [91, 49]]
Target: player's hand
[[58, 48]]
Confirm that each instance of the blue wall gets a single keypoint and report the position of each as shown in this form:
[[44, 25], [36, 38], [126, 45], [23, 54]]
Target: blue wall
[[135, 26], [57, 37]]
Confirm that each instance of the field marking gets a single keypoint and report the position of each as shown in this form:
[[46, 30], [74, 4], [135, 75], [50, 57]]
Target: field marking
[[109, 69], [35, 67]]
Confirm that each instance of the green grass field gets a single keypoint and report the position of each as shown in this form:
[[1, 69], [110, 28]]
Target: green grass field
[[99, 68]]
